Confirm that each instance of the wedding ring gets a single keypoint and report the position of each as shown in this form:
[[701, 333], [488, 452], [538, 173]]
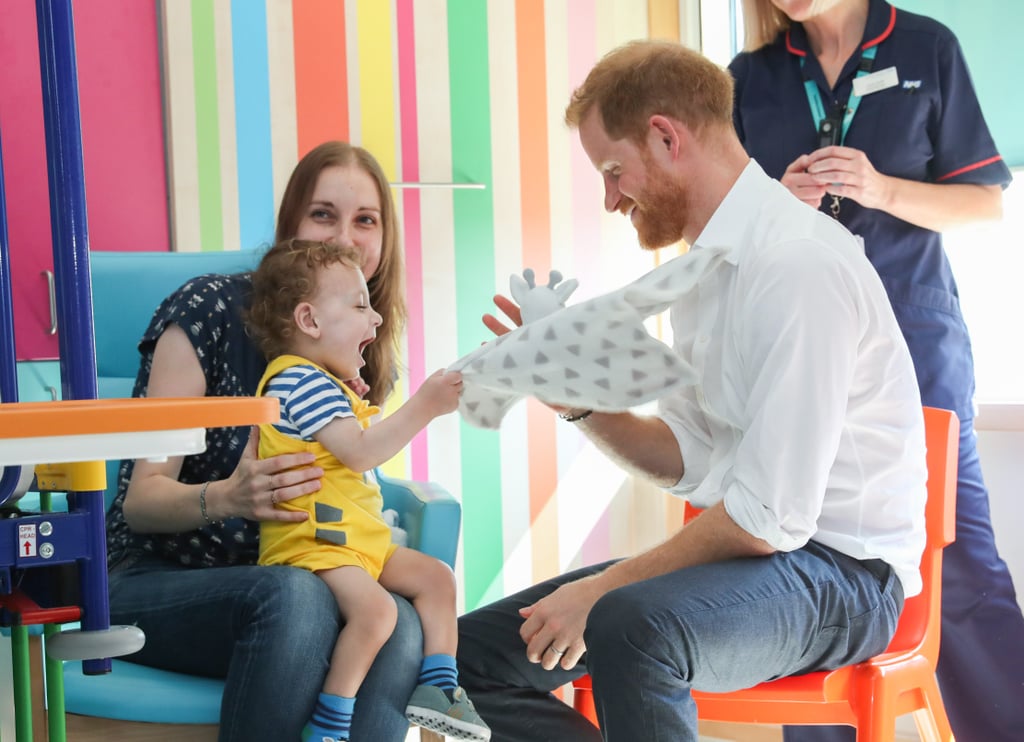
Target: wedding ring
[[555, 651], [273, 497]]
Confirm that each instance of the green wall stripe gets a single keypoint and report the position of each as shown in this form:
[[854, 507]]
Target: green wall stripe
[[204, 53], [483, 554]]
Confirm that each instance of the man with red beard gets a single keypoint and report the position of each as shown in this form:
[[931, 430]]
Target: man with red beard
[[803, 442]]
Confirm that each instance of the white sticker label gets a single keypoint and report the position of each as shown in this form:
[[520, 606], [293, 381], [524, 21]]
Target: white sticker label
[[27, 540], [868, 84]]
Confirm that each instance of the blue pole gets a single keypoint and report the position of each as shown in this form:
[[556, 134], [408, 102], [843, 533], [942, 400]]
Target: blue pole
[[54, 19], [8, 357]]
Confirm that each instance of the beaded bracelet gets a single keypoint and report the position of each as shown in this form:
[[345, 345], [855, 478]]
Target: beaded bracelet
[[202, 502]]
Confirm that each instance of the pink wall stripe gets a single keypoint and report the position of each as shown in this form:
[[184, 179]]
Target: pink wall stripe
[[586, 184], [412, 227]]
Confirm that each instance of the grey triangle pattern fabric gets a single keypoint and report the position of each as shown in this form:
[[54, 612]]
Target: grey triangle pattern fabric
[[596, 354]]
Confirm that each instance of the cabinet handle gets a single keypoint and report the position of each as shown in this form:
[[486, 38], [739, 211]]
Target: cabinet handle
[[53, 302]]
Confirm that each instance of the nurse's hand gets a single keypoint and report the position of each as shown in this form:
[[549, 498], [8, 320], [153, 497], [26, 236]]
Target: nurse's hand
[[847, 172], [801, 184]]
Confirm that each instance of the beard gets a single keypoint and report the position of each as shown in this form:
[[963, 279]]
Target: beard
[[662, 211]]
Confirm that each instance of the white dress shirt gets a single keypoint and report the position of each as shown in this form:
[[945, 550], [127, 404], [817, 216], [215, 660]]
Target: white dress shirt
[[807, 418]]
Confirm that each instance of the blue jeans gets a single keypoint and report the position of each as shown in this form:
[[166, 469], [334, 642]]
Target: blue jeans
[[981, 659], [269, 631], [715, 627]]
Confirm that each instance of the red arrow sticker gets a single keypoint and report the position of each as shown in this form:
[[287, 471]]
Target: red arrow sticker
[[27, 539]]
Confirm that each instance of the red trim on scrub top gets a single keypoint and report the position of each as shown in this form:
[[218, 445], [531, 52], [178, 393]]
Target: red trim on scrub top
[[792, 49], [885, 34], [968, 168]]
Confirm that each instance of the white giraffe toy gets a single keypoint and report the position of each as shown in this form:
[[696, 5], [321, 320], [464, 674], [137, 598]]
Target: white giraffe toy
[[596, 354]]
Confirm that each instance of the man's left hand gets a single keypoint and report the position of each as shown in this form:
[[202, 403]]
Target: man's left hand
[[553, 629]]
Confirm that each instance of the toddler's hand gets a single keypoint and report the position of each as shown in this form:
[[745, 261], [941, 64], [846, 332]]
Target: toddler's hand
[[441, 391]]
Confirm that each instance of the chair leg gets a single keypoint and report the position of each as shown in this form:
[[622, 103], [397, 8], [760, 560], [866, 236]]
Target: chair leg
[[931, 721]]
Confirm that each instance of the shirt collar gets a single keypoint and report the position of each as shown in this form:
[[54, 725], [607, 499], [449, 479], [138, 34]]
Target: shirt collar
[[881, 19], [729, 226]]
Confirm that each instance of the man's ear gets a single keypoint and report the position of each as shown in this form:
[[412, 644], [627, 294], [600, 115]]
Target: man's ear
[[663, 137], [305, 319]]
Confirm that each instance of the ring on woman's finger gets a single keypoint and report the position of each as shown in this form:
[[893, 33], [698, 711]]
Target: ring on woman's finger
[[273, 497], [556, 651]]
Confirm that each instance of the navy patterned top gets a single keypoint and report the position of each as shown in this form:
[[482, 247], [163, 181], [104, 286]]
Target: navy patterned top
[[209, 310]]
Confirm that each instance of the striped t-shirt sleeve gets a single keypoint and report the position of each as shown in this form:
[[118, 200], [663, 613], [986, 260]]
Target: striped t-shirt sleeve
[[309, 400]]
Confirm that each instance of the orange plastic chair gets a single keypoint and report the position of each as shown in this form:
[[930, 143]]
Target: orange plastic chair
[[871, 694]]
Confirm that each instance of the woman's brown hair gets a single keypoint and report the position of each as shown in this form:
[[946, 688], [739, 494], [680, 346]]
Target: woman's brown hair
[[387, 285]]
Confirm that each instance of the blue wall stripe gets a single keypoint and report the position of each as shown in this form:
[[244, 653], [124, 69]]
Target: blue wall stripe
[[256, 207]]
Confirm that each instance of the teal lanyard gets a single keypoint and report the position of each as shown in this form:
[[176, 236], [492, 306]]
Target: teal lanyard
[[818, 106]]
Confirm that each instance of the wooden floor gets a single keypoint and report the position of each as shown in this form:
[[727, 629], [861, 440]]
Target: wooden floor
[[86, 729]]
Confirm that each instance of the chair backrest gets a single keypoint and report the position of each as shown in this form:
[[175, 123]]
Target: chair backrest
[[127, 287], [920, 622]]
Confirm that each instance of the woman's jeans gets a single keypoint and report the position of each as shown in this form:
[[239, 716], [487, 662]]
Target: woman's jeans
[[269, 631], [716, 627]]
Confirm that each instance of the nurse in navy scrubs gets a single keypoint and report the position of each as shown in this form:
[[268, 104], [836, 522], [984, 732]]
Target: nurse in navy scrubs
[[868, 113]]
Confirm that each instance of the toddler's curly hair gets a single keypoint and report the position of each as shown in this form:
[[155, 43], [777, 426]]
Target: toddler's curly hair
[[287, 275]]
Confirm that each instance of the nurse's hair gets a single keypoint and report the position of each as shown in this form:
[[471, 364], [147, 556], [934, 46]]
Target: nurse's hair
[[647, 78], [289, 274], [762, 22]]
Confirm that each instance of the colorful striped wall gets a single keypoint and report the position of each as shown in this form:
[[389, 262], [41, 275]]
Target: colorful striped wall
[[456, 91]]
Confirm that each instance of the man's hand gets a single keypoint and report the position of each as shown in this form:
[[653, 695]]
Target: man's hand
[[510, 309], [553, 629]]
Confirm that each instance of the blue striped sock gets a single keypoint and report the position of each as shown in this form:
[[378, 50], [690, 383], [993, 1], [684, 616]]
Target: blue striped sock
[[332, 719], [439, 670]]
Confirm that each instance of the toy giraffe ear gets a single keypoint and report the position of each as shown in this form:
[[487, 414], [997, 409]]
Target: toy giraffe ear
[[539, 301], [519, 286]]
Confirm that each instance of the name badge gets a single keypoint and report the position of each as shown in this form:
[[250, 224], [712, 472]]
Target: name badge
[[868, 84]]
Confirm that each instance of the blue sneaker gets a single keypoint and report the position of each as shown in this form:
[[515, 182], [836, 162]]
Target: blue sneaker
[[430, 708]]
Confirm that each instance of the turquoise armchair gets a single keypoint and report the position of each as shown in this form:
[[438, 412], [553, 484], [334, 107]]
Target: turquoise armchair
[[127, 287]]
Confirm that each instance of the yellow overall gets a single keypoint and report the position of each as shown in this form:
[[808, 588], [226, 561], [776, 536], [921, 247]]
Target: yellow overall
[[345, 525]]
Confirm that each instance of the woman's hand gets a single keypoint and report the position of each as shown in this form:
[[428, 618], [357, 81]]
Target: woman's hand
[[510, 309], [359, 387], [847, 172], [257, 485], [802, 184]]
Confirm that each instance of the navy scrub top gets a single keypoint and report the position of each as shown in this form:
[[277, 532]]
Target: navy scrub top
[[928, 128]]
